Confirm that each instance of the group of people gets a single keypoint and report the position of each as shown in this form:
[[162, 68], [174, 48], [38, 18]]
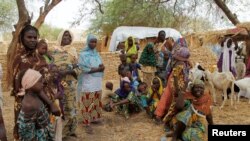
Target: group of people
[[52, 87], [162, 89]]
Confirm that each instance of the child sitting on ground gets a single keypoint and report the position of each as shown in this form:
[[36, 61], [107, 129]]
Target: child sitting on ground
[[143, 95], [33, 120], [107, 95]]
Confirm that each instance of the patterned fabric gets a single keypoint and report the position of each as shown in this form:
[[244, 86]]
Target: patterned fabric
[[148, 58], [24, 60], [35, 127], [178, 85], [64, 57], [148, 74], [134, 104], [70, 117], [91, 106], [131, 50], [195, 125]]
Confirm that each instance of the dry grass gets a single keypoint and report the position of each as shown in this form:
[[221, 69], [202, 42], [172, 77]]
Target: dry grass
[[139, 127]]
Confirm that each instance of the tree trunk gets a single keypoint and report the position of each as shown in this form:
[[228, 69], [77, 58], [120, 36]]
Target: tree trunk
[[232, 17], [24, 18]]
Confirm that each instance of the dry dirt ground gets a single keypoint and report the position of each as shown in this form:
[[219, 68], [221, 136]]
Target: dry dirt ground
[[138, 128]]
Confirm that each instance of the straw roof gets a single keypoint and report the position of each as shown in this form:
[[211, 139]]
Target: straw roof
[[240, 32]]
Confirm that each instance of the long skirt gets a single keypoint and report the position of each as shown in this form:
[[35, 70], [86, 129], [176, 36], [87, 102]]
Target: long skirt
[[91, 106], [36, 127], [165, 101], [70, 117]]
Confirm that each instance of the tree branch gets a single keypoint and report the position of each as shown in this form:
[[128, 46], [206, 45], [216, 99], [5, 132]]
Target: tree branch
[[44, 11], [232, 17], [23, 20], [100, 6]]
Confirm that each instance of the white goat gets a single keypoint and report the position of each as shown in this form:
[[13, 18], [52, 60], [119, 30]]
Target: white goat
[[244, 86], [221, 81]]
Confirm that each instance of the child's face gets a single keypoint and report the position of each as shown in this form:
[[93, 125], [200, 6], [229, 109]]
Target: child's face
[[133, 58], [127, 87], [128, 74], [156, 84], [42, 48], [38, 86], [142, 88], [123, 59], [198, 90]]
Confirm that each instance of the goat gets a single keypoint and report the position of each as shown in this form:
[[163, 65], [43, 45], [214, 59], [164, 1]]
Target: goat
[[244, 86]]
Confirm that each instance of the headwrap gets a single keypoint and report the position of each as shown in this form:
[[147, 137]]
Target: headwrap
[[181, 42], [69, 49], [160, 90], [88, 58], [181, 54], [59, 38], [203, 103], [228, 60], [132, 50], [148, 58], [30, 78]]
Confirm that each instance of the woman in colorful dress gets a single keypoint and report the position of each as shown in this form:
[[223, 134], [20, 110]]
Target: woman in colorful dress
[[27, 58], [191, 123], [90, 83], [179, 69], [65, 57], [148, 62]]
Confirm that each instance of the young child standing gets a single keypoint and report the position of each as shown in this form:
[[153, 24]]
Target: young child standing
[[134, 68], [33, 120], [107, 95], [124, 65]]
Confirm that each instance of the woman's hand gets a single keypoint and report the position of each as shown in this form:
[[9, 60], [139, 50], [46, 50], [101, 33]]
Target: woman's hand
[[58, 96], [101, 67]]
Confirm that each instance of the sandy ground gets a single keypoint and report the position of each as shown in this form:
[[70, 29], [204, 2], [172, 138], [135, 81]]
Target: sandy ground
[[138, 128]]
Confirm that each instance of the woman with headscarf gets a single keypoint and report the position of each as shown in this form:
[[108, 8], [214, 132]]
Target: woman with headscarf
[[226, 62], [177, 83], [65, 57], [125, 99], [148, 62], [130, 48], [90, 83], [195, 107], [27, 58]]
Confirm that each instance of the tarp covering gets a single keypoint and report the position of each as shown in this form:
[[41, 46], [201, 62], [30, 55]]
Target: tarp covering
[[121, 33]]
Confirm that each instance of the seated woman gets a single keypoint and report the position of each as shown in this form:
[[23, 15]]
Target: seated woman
[[125, 99], [154, 95], [192, 121]]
